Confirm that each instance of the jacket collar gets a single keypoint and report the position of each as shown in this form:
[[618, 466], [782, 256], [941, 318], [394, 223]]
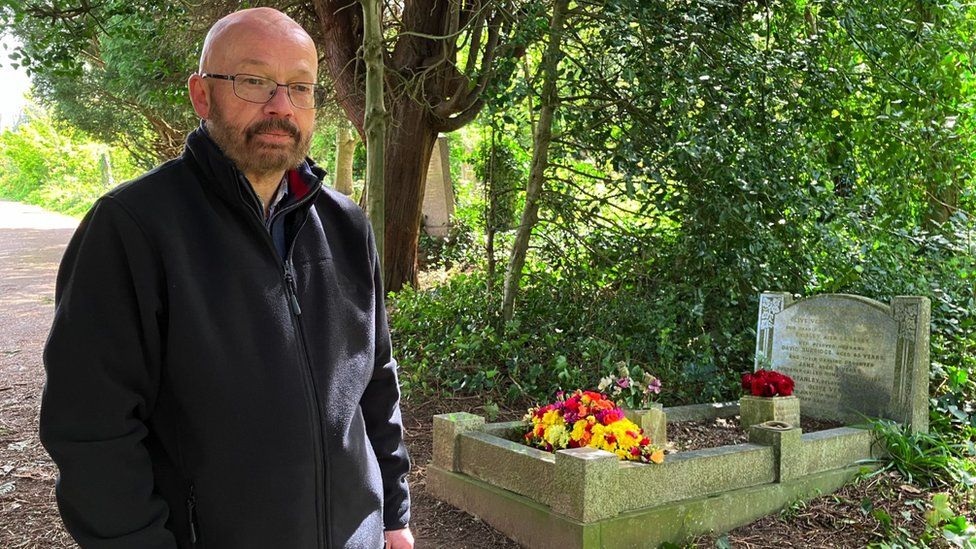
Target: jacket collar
[[220, 172]]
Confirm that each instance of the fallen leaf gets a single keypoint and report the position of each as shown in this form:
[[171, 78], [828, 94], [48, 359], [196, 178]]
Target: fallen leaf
[[18, 446], [910, 489], [6, 488]]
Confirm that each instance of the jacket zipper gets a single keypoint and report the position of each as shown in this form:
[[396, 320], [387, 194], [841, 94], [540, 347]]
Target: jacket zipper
[[191, 513], [311, 395]]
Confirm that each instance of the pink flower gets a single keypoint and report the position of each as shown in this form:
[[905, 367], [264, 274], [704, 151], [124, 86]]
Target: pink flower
[[623, 382], [654, 386]]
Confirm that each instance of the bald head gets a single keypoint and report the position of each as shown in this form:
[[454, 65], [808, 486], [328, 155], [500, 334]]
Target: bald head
[[236, 33]]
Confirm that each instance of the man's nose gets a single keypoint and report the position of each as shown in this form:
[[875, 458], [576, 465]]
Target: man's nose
[[280, 103]]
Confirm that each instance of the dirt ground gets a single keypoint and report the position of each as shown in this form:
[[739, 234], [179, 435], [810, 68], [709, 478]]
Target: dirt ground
[[31, 244]]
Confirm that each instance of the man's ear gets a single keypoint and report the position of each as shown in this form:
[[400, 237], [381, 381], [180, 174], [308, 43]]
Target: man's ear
[[199, 95]]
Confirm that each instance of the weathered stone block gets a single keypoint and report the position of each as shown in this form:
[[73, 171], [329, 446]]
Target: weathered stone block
[[691, 474], [522, 469], [584, 481], [836, 448], [447, 427], [754, 410], [653, 421], [785, 438]]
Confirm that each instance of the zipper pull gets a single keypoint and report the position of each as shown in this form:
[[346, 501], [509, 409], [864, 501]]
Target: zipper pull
[[292, 288], [191, 511]]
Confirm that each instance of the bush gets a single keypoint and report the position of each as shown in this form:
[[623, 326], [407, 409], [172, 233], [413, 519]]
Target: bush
[[48, 163], [448, 339]]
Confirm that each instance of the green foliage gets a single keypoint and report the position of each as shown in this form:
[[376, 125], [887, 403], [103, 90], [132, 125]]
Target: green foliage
[[48, 163], [502, 171], [927, 459], [447, 339], [943, 527], [706, 152], [114, 69]]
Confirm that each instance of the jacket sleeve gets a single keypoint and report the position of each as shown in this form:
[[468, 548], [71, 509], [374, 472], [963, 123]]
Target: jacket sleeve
[[381, 411], [103, 360]]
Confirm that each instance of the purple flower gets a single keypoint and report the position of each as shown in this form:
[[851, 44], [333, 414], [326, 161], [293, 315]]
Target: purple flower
[[654, 386], [623, 382]]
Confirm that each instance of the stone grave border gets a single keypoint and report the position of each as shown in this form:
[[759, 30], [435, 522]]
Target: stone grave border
[[587, 498]]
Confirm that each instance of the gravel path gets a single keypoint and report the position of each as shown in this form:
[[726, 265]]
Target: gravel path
[[31, 244]]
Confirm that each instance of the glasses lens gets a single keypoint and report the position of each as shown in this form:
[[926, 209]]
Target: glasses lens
[[305, 95], [254, 88]]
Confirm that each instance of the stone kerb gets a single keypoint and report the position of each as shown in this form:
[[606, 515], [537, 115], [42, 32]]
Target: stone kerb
[[836, 448], [584, 481], [696, 473], [786, 443], [851, 357], [588, 498], [447, 428], [510, 465]]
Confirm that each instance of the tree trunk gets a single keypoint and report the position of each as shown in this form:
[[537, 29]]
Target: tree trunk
[[409, 145], [374, 122], [491, 213], [435, 93], [540, 157], [346, 142]]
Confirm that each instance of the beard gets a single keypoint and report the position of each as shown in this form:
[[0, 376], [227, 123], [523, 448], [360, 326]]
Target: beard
[[255, 157]]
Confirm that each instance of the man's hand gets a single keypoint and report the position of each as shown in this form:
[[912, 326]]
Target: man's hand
[[399, 539]]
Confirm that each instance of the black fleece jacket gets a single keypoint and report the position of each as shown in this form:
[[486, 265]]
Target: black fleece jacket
[[203, 391]]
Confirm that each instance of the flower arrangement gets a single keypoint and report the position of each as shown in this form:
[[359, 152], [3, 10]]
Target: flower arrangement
[[588, 418], [634, 391], [767, 383]]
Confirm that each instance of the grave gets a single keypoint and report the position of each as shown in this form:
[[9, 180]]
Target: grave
[[854, 356], [438, 191], [851, 357]]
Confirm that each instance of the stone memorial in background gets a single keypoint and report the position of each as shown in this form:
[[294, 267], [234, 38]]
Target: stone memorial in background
[[438, 191], [851, 357]]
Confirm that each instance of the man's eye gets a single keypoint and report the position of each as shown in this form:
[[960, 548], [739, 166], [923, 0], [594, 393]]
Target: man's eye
[[253, 81], [302, 88]]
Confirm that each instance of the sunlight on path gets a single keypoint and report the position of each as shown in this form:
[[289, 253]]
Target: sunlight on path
[[14, 215]]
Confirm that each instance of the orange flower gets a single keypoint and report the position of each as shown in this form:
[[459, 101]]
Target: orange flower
[[657, 456]]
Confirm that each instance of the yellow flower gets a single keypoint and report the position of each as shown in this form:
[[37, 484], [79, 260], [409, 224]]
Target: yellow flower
[[552, 417], [579, 428]]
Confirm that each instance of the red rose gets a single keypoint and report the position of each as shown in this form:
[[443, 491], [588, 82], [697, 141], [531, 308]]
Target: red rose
[[784, 386], [767, 383], [747, 381]]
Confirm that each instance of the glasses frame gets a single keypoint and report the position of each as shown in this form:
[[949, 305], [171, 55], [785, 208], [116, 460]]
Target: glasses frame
[[318, 88]]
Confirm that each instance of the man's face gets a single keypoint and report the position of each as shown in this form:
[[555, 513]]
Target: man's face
[[267, 138]]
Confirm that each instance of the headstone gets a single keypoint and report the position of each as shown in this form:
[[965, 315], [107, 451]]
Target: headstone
[[851, 357], [438, 191]]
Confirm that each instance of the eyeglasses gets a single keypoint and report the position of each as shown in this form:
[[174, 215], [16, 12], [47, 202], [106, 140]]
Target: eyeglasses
[[258, 89]]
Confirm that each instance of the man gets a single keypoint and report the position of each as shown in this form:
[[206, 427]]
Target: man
[[219, 368]]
